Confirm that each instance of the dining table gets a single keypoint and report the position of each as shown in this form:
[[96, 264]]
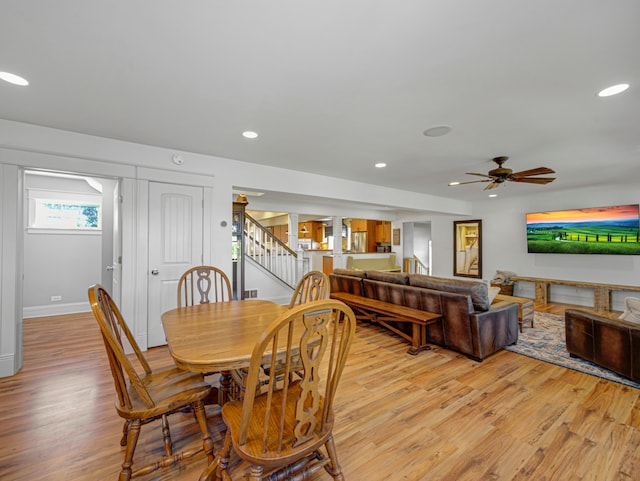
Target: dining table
[[218, 336]]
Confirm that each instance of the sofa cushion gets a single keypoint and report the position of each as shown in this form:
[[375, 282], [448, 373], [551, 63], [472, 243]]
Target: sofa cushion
[[349, 272], [631, 310], [342, 283], [393, 277], [477, 291]]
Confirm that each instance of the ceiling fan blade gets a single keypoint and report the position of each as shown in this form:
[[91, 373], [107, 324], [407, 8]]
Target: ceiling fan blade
[[481, 175], [534, 180], [492, 185], [536, 171], [470, 182]]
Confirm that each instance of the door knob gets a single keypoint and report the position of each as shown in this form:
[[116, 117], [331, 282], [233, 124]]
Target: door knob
[[110, 268], [155, 272]]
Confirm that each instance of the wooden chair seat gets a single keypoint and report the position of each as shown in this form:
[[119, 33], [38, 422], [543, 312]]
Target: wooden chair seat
[[275, 455], [167, 386]]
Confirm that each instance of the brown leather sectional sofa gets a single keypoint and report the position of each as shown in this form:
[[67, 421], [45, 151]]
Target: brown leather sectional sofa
[[470, 324], [609, 342]]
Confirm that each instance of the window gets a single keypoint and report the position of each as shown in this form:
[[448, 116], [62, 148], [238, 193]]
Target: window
[[51, 210]]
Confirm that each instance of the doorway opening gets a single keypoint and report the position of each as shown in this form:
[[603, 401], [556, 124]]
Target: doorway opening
[[416, 244], [71, 240]]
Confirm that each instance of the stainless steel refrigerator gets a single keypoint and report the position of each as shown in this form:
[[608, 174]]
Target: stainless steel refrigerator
[[359, 242]]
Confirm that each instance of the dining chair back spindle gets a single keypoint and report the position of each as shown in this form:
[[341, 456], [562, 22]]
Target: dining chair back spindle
[[313, 286], [281, 427], [148, 395], [203, 284]]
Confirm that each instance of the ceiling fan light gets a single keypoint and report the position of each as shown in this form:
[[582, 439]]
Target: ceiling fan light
[[613, 90], [14, 79]]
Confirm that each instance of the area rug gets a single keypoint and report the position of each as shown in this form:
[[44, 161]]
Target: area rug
[[546, 342]]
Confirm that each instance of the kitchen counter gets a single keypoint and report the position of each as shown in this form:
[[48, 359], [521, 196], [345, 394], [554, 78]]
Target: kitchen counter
[[315, 257]]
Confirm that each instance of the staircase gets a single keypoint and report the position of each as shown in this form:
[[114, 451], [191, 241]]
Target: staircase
[[413, 265], [273, 255]]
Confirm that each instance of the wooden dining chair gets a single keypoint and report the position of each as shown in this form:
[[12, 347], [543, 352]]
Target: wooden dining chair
[[203, 284], [313, 286], [149, 395], [286, 427]]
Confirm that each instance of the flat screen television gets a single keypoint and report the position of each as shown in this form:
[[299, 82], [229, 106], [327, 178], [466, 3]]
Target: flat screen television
[[594, 230]]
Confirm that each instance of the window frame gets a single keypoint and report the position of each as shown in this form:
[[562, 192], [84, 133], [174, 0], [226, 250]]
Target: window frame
[[37, 196]]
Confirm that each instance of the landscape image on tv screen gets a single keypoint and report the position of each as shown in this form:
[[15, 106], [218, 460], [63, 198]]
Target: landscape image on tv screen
[[595, 230]]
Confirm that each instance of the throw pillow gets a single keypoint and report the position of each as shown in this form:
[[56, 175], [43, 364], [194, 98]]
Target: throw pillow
[[631, 310], [502, 276], [493, 292]]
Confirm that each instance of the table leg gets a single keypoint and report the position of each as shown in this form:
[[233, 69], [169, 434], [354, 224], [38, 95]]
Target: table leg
[[225, 387], [419, 337]]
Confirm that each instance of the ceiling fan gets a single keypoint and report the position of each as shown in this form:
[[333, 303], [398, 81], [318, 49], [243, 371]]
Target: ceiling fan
[[502, 174]]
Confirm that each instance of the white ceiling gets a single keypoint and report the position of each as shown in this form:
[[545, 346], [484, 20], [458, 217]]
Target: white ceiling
[[335, 86]]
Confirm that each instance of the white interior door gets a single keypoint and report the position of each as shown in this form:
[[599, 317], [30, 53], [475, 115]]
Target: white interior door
[[175, 244]]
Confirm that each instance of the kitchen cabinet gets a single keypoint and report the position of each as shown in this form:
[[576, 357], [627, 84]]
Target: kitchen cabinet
[[327, 264], [358, 225], [383, 231], [281, 232], [313, 230]]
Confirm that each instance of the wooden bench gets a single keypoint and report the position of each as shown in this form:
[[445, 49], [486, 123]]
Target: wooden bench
[[601, 292], [384, 312]]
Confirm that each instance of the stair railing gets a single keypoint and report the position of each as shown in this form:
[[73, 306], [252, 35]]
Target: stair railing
[[413, 265], [272, 254]]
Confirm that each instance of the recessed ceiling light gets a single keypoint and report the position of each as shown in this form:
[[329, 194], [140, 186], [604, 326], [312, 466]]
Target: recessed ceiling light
[[14, 79], [454, 183], [437, 131], [380, 165], [493, 195], [613, 90], [249, 134]]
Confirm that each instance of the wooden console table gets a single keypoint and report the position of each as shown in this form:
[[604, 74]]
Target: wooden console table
[[601, 292]]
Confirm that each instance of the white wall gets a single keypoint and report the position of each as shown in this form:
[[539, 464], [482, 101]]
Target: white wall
[[11, 254], [268, 288]]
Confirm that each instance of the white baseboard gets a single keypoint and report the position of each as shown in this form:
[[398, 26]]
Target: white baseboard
[[56, 309], [7, 365]]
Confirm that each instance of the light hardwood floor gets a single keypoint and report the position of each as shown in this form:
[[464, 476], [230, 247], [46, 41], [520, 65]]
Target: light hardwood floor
[[434, 416]]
